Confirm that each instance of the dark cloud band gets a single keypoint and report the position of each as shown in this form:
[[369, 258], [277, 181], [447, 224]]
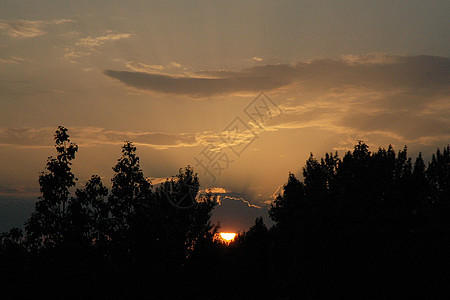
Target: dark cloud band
[[376, 71], [194, 86]]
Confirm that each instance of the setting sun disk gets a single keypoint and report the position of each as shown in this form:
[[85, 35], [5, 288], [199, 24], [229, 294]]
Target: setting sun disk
[[227, 236]]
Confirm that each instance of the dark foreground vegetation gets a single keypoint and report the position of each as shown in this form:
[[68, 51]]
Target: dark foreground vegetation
[[369, 225]]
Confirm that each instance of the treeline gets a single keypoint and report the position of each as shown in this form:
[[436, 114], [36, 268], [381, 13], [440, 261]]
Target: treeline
[[130, 240], [371, 223], [367, 225]]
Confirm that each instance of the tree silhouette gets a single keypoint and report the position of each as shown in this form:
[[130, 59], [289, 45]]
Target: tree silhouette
[[361, 219], [184, 216], [88, 214], [47, 225], [130, 200], [367, 224]]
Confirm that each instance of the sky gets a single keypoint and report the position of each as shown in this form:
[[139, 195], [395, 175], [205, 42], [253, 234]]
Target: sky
[[243, 91]]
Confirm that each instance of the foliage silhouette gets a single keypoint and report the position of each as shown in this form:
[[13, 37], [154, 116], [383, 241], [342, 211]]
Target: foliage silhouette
[[47, 226], [370, 220], [369, 224]]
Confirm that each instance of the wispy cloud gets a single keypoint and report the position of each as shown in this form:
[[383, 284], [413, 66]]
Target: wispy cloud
[[223, 194], [22, 28], [240, 199], [168, 69], [27, 137], [12, 60], [215, 190], [92, 136], [157, 180], [89, 45], [237, 214], [367, 120], [94, 42], [145, 68], [28, 28]]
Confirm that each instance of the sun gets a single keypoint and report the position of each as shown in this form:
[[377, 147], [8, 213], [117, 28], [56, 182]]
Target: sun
[[228, 236]]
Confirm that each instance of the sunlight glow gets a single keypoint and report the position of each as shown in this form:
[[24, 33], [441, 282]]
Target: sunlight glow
[[227, 236]]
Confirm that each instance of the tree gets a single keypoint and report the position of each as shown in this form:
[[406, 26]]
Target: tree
[[286, 207], [130, 202], [438, 174], [47, 225], [88, 214], [184, 216], [11, 244], [257, 239]]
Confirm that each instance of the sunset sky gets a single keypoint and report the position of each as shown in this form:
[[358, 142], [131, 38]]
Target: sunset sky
[[171, 76]]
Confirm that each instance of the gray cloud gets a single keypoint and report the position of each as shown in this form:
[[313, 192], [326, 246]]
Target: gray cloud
[[402, 99], [196, 86], [417, 73], [405, 125]]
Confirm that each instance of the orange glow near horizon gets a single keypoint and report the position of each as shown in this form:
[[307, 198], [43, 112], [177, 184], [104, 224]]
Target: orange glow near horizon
[[228, 236]]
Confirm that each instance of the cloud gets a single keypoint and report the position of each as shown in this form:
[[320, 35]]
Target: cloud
[[374, 71], [92, 136], [89, 45], [214, 190], [157, 180], [27, 137], [373, 97], [222, 193], [194, 86], [28, 28], [94, 42], [256, 58], [174, 64], [22, 28], [7, 61], [243, 201], [12, 60], [278, 191], [140, 67], [380, 97], [169, 69], [405, 126], [236, 214], [369, 118]]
